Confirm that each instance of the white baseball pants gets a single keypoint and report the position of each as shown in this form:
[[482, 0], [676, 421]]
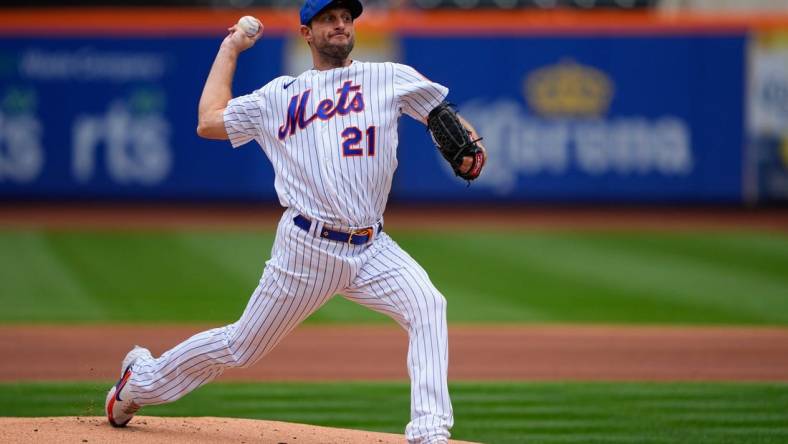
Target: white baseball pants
[[304, 272]]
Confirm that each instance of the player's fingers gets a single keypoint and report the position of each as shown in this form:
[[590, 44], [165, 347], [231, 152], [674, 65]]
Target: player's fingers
[[232, 34], [242, 37], [260, 29]]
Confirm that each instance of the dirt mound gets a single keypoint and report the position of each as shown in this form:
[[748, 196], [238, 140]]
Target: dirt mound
[[150, 429]]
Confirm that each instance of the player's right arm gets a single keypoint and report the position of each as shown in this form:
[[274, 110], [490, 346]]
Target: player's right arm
[[218, 87]]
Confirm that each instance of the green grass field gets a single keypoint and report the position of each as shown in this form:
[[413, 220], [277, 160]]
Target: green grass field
[[490, 412], [734, 277]]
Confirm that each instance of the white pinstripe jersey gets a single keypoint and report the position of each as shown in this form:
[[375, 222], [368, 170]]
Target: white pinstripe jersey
[[331, 135]]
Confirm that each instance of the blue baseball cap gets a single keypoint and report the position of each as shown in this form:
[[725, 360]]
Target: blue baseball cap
[[312, 8]]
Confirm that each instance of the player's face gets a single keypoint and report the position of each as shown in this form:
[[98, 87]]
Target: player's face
[[332, 34]]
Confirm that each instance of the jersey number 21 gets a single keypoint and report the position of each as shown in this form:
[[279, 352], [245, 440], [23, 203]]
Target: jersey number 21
[[352, 139]]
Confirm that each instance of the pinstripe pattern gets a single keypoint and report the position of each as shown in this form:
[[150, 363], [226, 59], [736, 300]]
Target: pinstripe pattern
[[312, 175], [316, 177], [391, 282]]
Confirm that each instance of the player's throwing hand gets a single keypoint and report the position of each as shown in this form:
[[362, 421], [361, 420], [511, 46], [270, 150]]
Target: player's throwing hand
[[241, 37]]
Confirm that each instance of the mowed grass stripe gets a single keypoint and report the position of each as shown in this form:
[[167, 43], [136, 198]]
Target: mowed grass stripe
[[759, 254], [128, 271], [710, 278], [675, 270], [551, 412], [591, 438], [121, 276], [609, 278], [31, 273]]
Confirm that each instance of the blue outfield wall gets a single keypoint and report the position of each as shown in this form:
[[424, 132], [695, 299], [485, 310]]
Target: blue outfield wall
[[117, 119], [565, 119]]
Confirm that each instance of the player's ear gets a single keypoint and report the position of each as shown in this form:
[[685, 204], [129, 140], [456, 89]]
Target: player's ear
[[306, 33]]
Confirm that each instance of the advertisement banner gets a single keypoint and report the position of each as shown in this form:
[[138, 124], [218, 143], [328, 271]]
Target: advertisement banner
[[623, 119], [565, 119], [116, 119], [768, 117]]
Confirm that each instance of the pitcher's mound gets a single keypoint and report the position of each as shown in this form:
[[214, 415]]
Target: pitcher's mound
[[182, 430]]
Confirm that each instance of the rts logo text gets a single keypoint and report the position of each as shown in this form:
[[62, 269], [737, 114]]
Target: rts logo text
[[134, 136]]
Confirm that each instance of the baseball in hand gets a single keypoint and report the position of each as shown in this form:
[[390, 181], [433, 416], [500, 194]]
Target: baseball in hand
[[249, 25]]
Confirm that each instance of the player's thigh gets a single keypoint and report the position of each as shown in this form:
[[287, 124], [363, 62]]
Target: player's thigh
[[393, 283], [295, 283], [300, 274]]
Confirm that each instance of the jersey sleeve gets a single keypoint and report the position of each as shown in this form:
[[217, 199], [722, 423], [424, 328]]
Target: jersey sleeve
[[243, 118], [416, 94]]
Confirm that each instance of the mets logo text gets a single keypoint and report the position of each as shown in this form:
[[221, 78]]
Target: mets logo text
[[326, 109]]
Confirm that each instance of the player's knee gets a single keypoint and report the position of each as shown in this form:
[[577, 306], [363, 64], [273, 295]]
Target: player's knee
[[244, 362], [240, 355], [245, 354]]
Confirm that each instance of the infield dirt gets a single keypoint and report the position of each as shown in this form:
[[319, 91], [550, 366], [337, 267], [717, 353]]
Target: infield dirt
[[336, 353], [107, 216]]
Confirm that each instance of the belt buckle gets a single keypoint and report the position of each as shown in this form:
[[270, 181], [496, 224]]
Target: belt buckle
[[369, 231]]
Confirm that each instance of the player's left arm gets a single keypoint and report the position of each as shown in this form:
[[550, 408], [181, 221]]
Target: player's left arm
[[457, 140], [425, 100]]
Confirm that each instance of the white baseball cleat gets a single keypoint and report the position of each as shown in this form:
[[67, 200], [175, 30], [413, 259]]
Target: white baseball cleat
[[119, 406]]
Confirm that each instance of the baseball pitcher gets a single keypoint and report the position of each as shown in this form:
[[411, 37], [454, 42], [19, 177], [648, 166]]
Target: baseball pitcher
[[331, 136]]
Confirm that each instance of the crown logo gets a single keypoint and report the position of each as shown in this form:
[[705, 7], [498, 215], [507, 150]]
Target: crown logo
[[568, 89]]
